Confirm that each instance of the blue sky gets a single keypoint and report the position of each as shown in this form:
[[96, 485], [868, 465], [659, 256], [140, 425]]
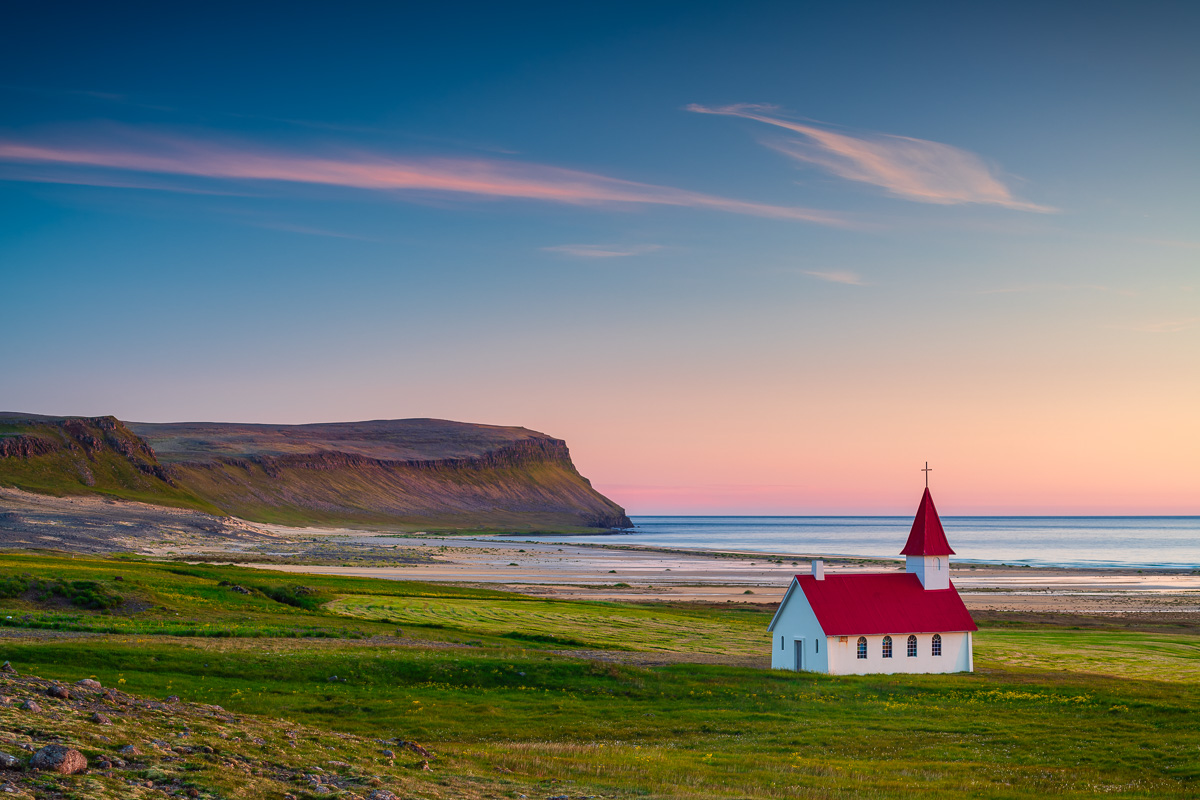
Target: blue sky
[[743, 257]]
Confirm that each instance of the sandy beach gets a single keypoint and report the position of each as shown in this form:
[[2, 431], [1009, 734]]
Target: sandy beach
[[598, 572]]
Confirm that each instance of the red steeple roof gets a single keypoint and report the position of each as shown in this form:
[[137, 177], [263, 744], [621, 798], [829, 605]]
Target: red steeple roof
[[927, 537]]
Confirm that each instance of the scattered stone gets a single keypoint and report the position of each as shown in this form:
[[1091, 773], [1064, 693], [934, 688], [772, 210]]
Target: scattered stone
[[416, 748], [89, 683], [100, 719], [29, 705], [382, 794], [56, 758], [129, 750], [58, 691], [9, 761], [173, 698], [425, 766], [8, 667], [5, 700], [388, 754]]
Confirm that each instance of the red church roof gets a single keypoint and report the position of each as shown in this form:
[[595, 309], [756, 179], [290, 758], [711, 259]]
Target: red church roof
[[927, 537], [860, 604]]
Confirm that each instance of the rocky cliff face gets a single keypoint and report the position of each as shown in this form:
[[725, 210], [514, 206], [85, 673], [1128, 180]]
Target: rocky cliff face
[[75, 455], [410, 473]]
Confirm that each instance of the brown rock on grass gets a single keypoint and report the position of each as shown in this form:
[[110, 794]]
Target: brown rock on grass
[[56, 758], [58, 691], [88, 683], [9, 761], [29, 705]]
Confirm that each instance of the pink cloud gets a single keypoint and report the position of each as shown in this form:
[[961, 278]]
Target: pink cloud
[[493, 178], [837, 276], [915, 169], [602, 250]]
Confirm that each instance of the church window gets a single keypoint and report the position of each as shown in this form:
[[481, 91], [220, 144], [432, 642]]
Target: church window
[[817, 644], [912, 647], [781, 643], [937, 644], [887, 647], [862, 647]]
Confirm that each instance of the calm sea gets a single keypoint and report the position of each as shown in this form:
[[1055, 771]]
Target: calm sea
[[1039, 541]]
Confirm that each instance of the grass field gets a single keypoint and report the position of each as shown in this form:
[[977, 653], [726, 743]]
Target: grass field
[[1049, 712]]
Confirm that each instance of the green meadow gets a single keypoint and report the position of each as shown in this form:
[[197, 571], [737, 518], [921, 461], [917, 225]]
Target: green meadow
[[494, 683]]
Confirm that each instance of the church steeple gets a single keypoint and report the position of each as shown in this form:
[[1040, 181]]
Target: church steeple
[[927, 537], [927, 552]]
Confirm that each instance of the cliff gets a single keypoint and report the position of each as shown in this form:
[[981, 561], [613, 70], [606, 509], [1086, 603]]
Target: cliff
[[418, 473]]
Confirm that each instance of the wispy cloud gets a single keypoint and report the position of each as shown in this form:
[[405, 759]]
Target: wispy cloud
[[1034, 288], [307, 230], [482, 178], [915, 169], [837, 276], [1164, 326], [602, 250]]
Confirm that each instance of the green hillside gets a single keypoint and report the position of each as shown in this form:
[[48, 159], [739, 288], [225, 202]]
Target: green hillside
[[87, 456]]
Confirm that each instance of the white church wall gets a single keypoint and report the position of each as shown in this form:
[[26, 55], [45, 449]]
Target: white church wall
[[932, 571], [794, 623], [955, 657]]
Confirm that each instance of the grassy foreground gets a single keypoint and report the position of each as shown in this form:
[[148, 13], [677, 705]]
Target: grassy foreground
[[493, 684]]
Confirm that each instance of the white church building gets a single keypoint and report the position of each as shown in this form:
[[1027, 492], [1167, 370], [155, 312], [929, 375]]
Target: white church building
[[859, 623]]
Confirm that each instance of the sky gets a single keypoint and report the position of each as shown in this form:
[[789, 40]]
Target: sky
[[745, 258]]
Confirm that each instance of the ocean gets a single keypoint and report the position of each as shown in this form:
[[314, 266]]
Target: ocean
[[1140, 542]]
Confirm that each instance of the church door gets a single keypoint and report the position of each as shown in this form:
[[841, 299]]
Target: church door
[[799, 655]]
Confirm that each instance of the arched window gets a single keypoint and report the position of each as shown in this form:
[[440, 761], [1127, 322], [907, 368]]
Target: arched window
[[912, 647], [862, 647], [939, 565], [937, 644], [887, 647]]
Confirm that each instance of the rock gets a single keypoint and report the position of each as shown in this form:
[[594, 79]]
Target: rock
[[382, 794], [416, 748], [173, 698], [100, 719], [58, 691], [29, 705], [88, 683], [56, 758], [388, 754], [9, 668], [9, 761], [129, 750]]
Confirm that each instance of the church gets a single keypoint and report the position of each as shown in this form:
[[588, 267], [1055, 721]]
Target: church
[[858, 623]]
